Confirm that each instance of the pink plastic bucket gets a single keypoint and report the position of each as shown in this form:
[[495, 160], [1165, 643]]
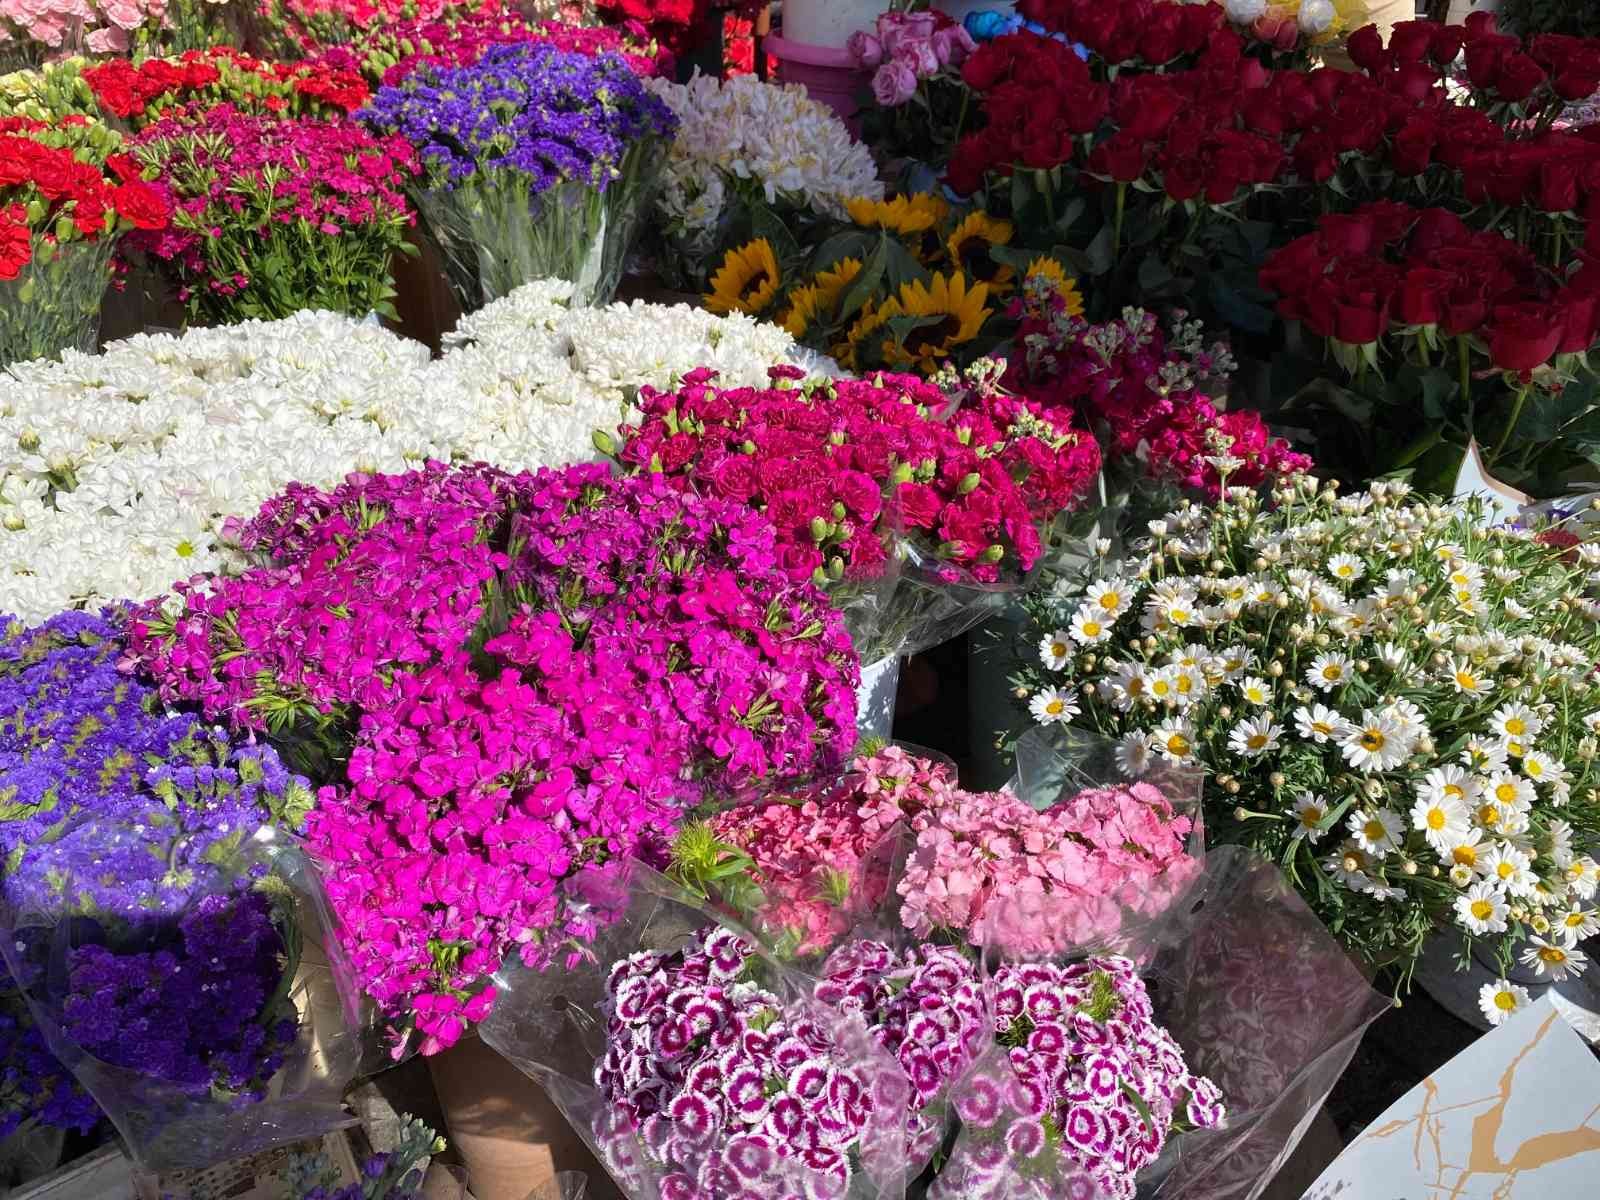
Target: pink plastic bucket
[[830, 76]]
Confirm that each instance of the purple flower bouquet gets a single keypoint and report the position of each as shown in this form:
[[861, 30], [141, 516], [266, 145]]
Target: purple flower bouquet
[[539, 163], [166, 940]]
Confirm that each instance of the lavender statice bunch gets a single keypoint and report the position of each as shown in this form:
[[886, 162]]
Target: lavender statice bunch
[[538, 163], [36, 1091]]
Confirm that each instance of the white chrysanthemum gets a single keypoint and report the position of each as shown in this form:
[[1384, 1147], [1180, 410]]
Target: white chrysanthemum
[[1329, 671], [1377, 742], [1055, 649], [1552, 959], [1468, 679], [1508, 868], [1133, 754], [1317, 723], [1310, 812], [1112, 597], [1516, 722], [1377, 832], [1346, 568], [1577, 923], [1501, 1000], [1255, 736], [1441, 819], [1089, 626], [1054, 706], [1254, 690], [1483, 909], [1174, 741]]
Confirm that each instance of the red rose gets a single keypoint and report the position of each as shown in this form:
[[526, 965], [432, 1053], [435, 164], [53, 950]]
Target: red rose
[[1519, 78], [1412, 150], [1183, 178], [1161, 39], [1422, 295], [1486, 58], [1557, 190], [1481, 24], [1409, 41], [1144, 105], [1447, 43], [1121, 158], [991, 64], [1414, 82], [969, 162], [1580, 320], [1365, 48], [1435, 228], [1524, 336]]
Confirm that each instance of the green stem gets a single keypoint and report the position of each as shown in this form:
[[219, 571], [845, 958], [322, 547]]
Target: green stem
[[1116, 228], [961, 117], [1464, 361], [1511, 425]]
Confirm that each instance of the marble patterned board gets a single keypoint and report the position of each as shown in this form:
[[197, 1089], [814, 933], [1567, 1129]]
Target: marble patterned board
[[1515, 1116]]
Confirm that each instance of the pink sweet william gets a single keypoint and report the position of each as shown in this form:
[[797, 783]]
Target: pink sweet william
[[503, 681]]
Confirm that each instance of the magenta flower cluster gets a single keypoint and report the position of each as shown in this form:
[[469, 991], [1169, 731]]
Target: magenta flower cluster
[[926, 1008], [500, 681], [715, 1088], [1081, 1094], [839, 467]]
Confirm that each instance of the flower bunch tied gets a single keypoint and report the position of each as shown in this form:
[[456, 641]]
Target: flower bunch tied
[[1414, 305], [1393, 698], [66, 195], [1146, 392], [272, 216], [536, 163], [156, 933], [142, 93], [750, 155], [915, 59], [520, 598], [906, 283], [856, 474]]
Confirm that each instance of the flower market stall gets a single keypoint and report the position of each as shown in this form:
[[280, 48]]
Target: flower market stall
[[701, 601]]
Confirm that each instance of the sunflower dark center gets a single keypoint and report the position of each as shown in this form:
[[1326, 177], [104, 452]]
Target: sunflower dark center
[[930, 337], [755, 283], [973, 254]]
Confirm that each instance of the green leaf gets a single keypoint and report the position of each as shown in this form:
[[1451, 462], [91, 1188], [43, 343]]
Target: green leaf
[[1153, 273], [765, 223], [903, 327], [903, 268], [1097, 255], [1237, 309], [868, 282], [852, 243]]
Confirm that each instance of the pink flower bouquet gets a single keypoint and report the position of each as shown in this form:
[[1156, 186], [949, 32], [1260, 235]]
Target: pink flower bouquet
[[502, 682]]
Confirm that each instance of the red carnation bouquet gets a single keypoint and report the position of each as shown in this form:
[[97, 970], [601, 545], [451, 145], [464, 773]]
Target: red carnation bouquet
[[66, 194], [1457, 334], [142, 94]]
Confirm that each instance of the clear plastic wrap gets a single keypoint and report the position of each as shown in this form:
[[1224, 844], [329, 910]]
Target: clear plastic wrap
[[1262, 1004], [54, 302], [204, 1004], [568, 1185], [665, 1044]]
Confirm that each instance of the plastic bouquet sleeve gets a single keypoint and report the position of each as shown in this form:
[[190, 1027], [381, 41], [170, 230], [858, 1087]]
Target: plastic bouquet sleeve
[[694, 1066], [1241, 1029], [205, 1006], [568, 1185]]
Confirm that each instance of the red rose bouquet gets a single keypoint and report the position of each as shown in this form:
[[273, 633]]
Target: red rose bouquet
[[66, 194], [274, 216], [1459, 335]]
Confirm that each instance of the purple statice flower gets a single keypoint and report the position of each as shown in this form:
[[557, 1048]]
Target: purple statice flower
[[529, 110], [199, 1008], [34, 1087], [514, 678], [395, 1175]]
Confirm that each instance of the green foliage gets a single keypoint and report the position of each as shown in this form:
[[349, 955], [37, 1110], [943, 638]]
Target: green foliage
[[1528, 17]]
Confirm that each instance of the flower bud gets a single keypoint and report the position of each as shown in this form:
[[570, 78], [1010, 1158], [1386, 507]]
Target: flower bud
[[993, 554], [969, 483], [819, 530]]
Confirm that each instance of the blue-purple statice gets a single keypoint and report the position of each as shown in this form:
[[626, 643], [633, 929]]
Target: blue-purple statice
[[396, 1175], [547, 115], [35, 1089], [138, 919]]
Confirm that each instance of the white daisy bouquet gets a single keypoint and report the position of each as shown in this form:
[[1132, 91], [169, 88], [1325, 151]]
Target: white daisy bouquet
[[1394, 700]]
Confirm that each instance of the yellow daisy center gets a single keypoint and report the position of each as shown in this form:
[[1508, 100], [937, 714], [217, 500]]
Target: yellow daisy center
[[1516, 726], [1333, 673], [1256, 741], [1091, 628], [1435, 818], [1372, 741], [1054, 708], [1505, 1001], [1553, 954], [1178, 744], [1482, 909], [1110, 601], [1464, 856], [1505, 793], [1374, 830], [1058, 649]]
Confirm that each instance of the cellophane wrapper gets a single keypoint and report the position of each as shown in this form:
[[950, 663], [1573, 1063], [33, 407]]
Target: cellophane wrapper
[[54, 303], [259, 1056], [568, 1185], [493, 237], [553, 1026], [1261, 1000], [629, 200]]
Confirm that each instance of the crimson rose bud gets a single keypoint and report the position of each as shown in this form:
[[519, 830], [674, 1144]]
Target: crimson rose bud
[[1365, 48], [1481, 24], [1120, 157], [1519, 78], [1410, 41], [1447, 43], [1524, 336], [1580, 321], [1558, 186], [1422, 295]]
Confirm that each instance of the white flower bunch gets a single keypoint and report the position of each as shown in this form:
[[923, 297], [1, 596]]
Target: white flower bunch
[[117, 470], [1393, 699], [745, 137]]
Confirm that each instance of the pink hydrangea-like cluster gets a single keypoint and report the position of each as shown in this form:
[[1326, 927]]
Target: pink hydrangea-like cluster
[[1141, 390], [1082, 1094], [992, 869], [925, 1007], [502, 680], [835, 466], [715, 1088]]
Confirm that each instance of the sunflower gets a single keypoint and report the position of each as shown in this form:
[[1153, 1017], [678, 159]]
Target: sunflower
[[747, 280], [961, 312], [847, 353], [819, 298], [969, 245], [802, 311], [1047, 272], [905, 215]]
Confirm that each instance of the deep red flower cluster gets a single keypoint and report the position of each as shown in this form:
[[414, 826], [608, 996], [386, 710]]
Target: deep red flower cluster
[[1388, 267], [676, 24], [1545, 70], [53, 189], [1152, 31], [223, 74]]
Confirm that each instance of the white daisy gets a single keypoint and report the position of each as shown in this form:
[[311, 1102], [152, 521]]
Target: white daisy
[[1234, 661], [1328, 671], [1054, 706], [1180, 609], [1509, 791], [1482, 756], [1089, 627], [1055, 650], [1161, 685], [1255, 690], [1310, 811], [1112, 597], [1346, 568], [1500, 1000], [1467, 850], [1448, 782], [1516, 722], [1255, 736], [1541, 768], [1317, 723], [1468, 679], [1441, 820], [1128, 684], [1577, 923], [1508, 868], [1378, 832], [1133, 754], [1482, 910], [1174, 741], [1554, 959], [1349, 866], [1583, 877], [1374, 743]]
